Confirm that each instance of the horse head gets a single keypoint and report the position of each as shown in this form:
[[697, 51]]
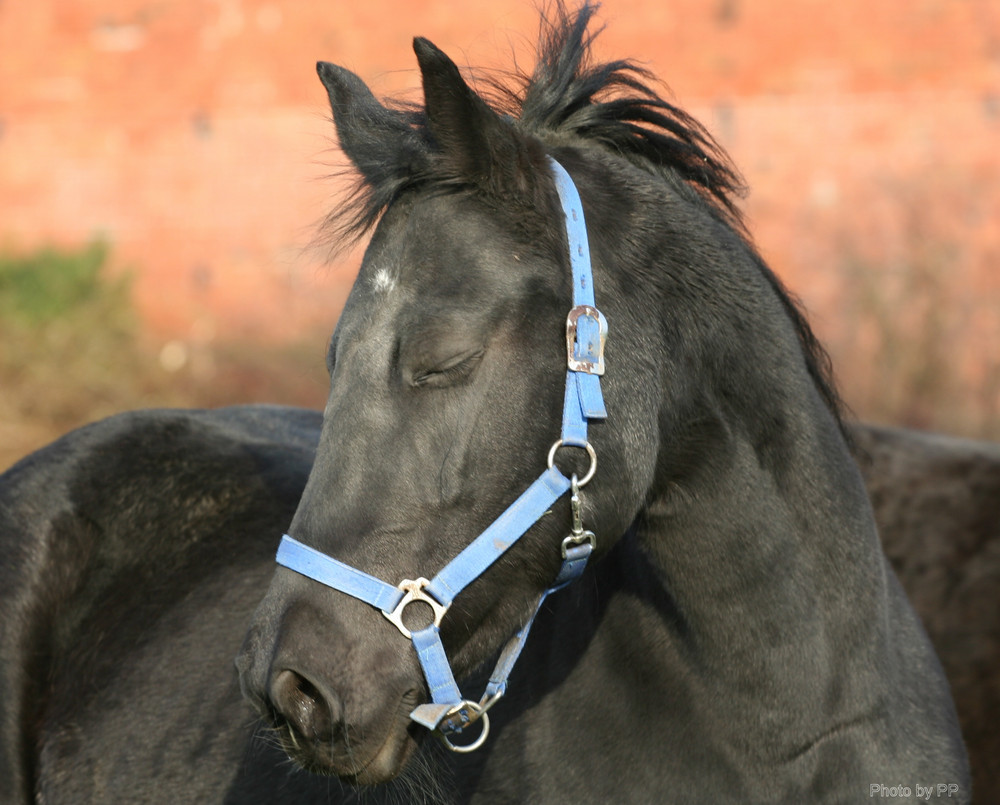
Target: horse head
[[447, 368]]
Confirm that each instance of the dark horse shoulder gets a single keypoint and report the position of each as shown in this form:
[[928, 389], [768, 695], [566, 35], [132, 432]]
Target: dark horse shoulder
[[133, 551], [101, 494]]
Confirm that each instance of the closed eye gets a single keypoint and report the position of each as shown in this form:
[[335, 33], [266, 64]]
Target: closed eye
[[446, 373]]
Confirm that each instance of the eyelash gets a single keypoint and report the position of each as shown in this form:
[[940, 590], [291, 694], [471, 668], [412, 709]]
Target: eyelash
[[450, 373]]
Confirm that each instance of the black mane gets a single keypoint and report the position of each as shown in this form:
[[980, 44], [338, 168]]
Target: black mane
[[569, 96], [614, 104]]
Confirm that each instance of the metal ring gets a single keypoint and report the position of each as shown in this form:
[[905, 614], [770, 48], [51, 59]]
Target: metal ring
[[590, 452], [480, 715], [414, 590]]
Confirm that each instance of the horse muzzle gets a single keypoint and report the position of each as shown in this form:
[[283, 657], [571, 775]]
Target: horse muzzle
[[337, 709]]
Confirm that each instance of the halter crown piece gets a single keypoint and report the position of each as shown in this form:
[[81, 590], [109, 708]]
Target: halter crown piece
[[449, 713]]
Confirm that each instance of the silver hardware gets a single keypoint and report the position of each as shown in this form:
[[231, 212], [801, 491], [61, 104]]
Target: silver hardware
[[577, 534], [574, 504], [488, 701], [414, 590], [478, 713], [588, 365], [590, 452]]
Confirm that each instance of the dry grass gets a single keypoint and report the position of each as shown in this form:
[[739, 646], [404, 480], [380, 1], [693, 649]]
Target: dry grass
[[71, 352], [918, 348]]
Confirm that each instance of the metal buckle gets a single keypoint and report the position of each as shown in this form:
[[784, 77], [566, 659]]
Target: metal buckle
[[588, 365], [574, 540], [414, 592], [461, 716]]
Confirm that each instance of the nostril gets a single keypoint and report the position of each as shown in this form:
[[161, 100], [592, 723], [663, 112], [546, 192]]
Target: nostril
[[303, 706]]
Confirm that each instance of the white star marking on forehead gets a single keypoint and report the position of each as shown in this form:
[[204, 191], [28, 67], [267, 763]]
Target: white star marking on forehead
[[383, 281]]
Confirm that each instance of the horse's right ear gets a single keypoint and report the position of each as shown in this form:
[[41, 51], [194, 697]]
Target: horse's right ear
[[379, 142]]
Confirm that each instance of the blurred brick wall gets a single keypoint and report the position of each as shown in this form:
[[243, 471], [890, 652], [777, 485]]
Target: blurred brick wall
[[194, 137]]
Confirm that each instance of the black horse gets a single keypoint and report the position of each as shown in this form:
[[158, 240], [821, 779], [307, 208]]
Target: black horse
[[134, 551], [737, 634]]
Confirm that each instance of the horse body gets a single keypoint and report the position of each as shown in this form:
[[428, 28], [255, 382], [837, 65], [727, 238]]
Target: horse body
[[769, 656], [139, 702], [738, 635]]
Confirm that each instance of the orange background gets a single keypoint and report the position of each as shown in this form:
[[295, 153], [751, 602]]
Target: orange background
[[194, 137]]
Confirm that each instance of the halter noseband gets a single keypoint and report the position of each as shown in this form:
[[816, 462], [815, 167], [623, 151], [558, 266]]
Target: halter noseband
[[449, 712]]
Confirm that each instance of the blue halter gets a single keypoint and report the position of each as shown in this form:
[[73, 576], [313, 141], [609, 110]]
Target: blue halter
[[449, 712]]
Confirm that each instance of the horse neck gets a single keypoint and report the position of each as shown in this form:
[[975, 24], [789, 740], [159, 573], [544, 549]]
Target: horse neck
[[757, 521]]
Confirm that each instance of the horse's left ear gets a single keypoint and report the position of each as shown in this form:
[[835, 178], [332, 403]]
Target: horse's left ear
[[476, 143]]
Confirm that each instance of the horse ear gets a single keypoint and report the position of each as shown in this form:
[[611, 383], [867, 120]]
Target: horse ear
[[379, 142], [476, 143]]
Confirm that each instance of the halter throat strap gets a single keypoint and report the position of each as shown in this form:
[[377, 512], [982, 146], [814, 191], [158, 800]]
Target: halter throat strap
[[449, 713]]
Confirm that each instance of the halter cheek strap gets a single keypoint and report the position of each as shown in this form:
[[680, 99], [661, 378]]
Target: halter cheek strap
[[449, 713]]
